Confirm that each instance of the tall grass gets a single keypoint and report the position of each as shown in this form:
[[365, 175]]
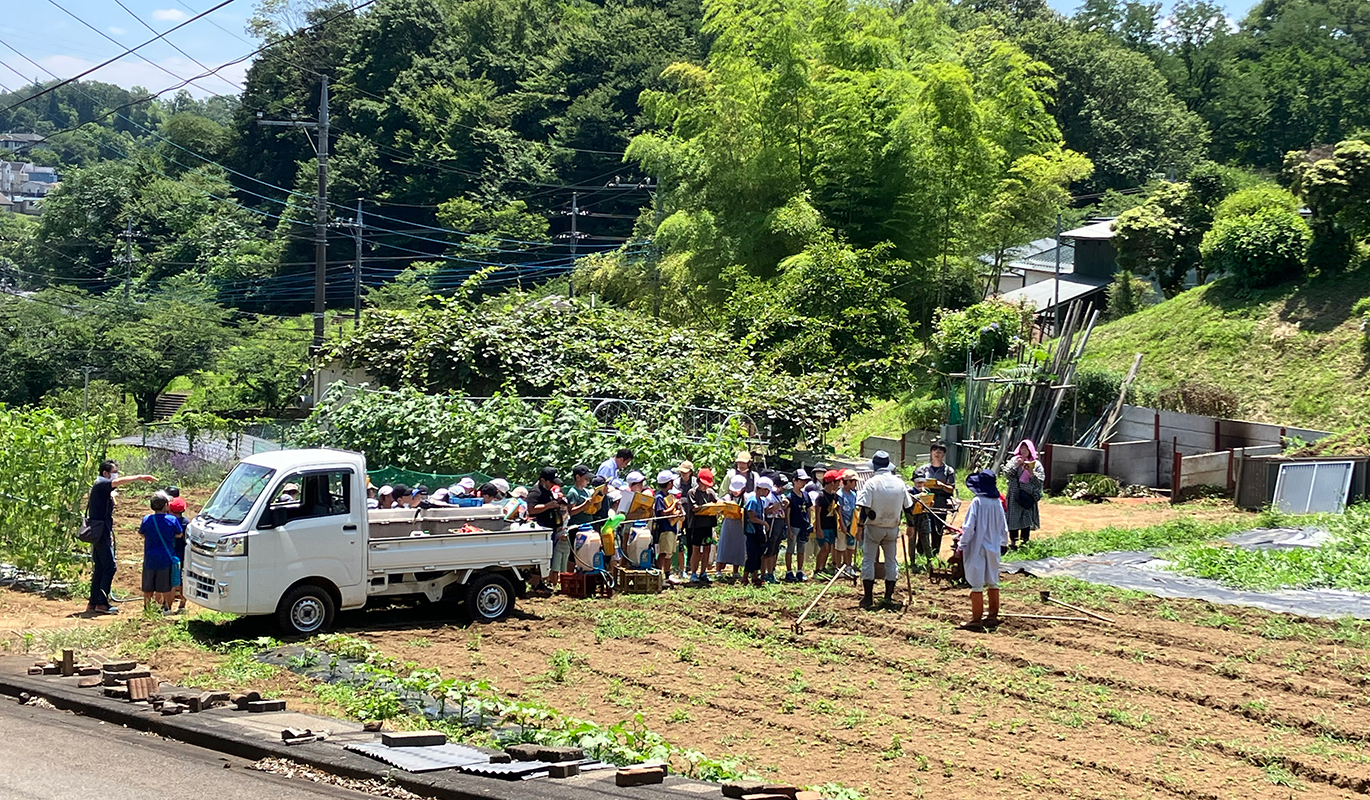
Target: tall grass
[[1342, 563]]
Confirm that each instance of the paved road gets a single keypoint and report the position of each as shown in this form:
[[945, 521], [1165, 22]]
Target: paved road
[[54, 755]]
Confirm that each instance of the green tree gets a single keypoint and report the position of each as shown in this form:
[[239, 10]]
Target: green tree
[[1260, 249], [1128, 294]]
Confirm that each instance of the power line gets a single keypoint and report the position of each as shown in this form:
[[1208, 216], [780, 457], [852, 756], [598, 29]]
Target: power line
[[106, 63], [177, 48]]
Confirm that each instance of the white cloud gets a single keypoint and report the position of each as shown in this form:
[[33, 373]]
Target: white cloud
[[168, 15], [117, 31], [129, 73]]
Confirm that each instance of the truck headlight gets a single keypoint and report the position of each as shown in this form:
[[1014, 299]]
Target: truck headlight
[[232, 546]]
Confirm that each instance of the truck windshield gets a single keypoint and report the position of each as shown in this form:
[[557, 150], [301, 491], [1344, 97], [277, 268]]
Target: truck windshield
[[237, 494]]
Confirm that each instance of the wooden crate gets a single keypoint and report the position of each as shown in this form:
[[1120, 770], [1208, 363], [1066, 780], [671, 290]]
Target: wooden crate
[[584, 584], [639, 581]]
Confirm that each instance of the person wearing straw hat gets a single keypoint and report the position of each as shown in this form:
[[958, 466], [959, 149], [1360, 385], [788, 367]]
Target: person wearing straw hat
[[984, 538], [732, 535], [743, 467]]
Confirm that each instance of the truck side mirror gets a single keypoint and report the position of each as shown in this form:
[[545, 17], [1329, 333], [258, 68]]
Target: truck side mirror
[[273, 518]]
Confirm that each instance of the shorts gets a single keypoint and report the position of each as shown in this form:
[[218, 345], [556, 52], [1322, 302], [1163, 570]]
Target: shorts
[[157, 580], [779, 530], [982, 569], [798, 538], [561, 553], [699, 537], [844, 541], [667, 543], [826, 537]]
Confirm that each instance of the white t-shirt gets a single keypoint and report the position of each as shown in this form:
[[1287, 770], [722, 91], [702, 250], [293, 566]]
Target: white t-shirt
[[886, 495]]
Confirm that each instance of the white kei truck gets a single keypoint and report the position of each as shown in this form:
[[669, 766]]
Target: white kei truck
[[288, 533]]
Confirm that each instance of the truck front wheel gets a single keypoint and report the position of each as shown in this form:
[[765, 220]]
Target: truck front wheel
[[490, 597], [305, 610]]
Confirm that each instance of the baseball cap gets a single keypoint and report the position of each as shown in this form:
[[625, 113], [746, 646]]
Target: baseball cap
[[387, 489], [832, 476], [466, 483], [177, 505], [685, 466], [520, 492], [737, 484], [501, 484], [548, 474], [706, 476], [666, 476], [636, 477], [580, 469], [744, 456], [849, 475], [765, 483]]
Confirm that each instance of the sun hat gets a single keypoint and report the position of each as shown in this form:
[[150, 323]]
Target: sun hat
[[467, 483], [386, 489], [737, 484], [636, 477], [706, 476], [880, 460], [745, 456], [983, 484], [765, 483], [666, 476], [501, 484]]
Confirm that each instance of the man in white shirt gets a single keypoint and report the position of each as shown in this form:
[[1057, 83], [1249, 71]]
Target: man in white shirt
[[882, 502]]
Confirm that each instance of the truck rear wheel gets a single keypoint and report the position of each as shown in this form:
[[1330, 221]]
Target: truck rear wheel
[[490, 597], [305, 610]]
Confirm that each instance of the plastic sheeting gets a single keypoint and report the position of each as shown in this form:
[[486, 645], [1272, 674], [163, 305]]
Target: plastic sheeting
[[1146, 571]]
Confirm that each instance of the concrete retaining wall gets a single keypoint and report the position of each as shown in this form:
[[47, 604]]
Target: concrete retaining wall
[[1063, 461], [1192, 433], [912, 448]]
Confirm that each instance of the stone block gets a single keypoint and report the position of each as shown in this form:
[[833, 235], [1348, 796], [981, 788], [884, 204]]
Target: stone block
[[121, 678], [87, 669], [808, 795], [413, 738], [372, 726], [735, 789], [35, 670], [563, 770], [120, 666], [555, 755], [117, 692], [88, 681], [258, 706], [780, 788], [52, 669], [171, 709], [140, 688], [765, 796], [242, 700], [639, 776], [68, 662], [523, 752]]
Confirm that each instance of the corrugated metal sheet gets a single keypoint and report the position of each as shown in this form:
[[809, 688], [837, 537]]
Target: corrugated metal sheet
[[422, 759], [1313, 487]]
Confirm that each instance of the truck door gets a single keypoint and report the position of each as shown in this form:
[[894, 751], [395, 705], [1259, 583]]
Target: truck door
[[313, 527]]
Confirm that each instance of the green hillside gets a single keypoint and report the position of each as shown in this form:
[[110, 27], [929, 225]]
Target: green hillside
[[1294, 355]]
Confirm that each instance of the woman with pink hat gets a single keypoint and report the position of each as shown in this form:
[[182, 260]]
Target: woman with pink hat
[[1025, 478]]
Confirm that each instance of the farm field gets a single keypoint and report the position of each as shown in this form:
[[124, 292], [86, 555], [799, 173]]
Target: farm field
[[1179, 699]]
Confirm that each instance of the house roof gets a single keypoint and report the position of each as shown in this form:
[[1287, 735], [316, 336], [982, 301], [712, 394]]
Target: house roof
[[22, 137], [1036, 256], [1102, 229], [1042, 295]]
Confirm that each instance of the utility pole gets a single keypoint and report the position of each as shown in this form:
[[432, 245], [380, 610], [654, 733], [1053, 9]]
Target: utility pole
[[571, 276], [1056, 301], [320, 204], [653, 187], [355, 225], [128, 236]]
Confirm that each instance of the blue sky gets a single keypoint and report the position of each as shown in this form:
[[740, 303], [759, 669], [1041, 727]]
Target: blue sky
[[52, 41]]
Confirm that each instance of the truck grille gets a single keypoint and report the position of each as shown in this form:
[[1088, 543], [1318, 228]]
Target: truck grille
[[202, 587]]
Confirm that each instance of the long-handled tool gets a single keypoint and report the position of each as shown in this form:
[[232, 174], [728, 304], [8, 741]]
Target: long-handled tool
[[1043, 616], [1047, 598], [799, 623], [909, 535]]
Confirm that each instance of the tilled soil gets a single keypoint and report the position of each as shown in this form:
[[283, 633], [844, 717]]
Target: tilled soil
[[908, 706]]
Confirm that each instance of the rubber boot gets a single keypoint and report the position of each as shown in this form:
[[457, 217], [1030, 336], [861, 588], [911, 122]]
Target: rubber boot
[[1026, 533], [889, 593], [992, 618], [868, 599]]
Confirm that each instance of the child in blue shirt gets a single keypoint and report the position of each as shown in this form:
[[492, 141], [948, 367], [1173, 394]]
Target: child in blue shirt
[[159, 531], [757, 529]]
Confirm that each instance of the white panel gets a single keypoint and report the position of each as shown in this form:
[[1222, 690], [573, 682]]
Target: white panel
[[1312, 487]]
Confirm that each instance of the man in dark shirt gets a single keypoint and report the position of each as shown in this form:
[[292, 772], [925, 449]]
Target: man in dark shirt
[[544, 502], [800, 526], [100, 512], [943, 497]]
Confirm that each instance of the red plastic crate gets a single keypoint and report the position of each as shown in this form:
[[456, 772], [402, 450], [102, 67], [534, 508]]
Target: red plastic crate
[[584, 584]]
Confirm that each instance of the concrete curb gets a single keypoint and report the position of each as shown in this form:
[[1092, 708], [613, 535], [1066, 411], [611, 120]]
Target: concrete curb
[[209, 730]]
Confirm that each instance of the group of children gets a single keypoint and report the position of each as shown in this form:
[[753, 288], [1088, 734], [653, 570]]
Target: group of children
[[164, 550]]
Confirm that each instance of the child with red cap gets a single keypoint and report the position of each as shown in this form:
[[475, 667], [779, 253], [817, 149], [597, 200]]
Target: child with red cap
[[177, 508]]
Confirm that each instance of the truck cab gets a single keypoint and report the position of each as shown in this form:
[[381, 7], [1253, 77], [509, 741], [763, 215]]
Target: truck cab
[[288, 533]]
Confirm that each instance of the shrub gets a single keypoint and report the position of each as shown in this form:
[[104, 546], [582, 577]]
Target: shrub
[[1260, 249], [985, 330], [1256, 199], [1090, 486], [1128, 294]]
